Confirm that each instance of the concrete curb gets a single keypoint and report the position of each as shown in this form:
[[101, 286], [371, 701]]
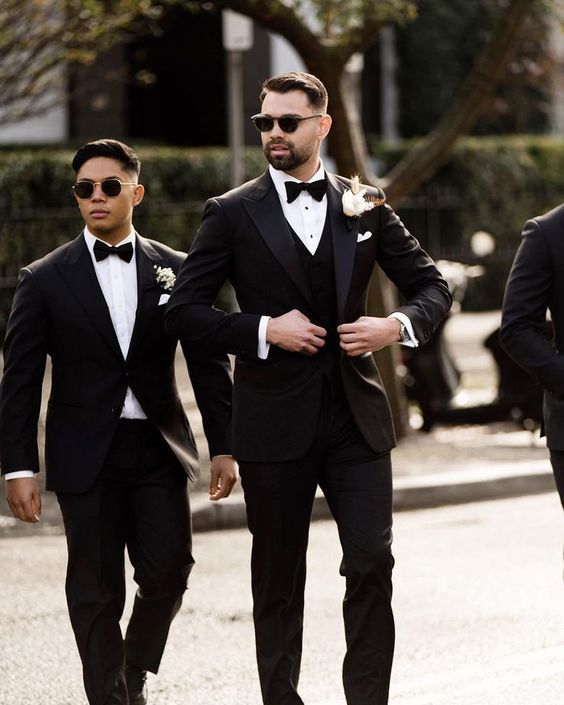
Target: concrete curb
[[410, 493], [473, 483]]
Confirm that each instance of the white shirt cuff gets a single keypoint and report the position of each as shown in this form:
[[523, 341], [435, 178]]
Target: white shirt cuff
[[19, 473], [402, 318], [263, 346]]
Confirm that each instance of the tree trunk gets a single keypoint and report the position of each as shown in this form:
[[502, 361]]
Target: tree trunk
[[348, 148], [422, 162], [347, 142]]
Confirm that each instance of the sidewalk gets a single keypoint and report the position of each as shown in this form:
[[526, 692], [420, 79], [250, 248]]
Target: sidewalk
[[448, 466]]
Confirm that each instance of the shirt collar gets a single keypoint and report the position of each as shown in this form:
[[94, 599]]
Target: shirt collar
[[279, 177], [91, 240]]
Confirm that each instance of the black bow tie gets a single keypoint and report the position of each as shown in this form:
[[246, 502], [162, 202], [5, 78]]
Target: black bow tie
[[124, 252], [316, 188]]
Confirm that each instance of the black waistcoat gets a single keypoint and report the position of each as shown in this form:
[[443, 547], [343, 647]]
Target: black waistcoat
[[320, 274]]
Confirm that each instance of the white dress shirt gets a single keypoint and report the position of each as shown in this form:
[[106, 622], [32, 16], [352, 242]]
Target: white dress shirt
[[118, 281], [306, 216]]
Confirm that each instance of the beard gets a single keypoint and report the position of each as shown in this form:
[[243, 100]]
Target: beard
[[294, 159]]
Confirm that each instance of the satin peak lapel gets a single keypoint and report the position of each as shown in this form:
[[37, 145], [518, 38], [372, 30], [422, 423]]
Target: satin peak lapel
[[78, 273], [148, 291], [268, 217], [345, 233]]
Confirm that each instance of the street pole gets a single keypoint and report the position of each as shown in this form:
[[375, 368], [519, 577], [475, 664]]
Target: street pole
[[237, 38], [389, 92], [235, 115]]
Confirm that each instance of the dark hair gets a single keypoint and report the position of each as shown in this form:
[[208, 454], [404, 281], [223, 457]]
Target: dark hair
[[111, 149], [298, 81]]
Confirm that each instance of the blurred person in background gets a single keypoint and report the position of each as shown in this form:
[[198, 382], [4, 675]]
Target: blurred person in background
[[536, 286]]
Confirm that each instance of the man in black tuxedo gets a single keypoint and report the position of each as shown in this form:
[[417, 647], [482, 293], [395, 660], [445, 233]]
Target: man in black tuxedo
[[535, 286], [118, 446], [309, 408]]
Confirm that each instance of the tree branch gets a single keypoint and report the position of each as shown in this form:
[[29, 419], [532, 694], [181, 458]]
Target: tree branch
[[280, 18], [419, 165]]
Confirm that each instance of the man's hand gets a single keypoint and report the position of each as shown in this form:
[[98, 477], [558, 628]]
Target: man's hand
[[296, 333], [223, 477], [368, 334], [24, 498]]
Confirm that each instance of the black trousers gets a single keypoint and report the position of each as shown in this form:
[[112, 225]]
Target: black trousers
[[279, 497], [557, 462], [140, 501]]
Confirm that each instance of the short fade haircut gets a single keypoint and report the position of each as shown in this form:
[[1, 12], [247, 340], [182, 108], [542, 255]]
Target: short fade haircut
[[112, 149], [298, 81]]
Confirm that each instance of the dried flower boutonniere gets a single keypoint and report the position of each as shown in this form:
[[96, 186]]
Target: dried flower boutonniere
[[355, 202]]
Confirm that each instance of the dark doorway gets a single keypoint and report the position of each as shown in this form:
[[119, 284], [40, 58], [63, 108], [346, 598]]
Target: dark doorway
[[176, 92]]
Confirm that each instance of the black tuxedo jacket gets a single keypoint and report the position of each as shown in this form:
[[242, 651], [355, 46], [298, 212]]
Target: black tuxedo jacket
[[59, 311], [244, 237], [535, 285]]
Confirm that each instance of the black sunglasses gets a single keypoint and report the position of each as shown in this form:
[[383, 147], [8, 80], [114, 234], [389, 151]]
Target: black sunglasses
[[111, 187], [287, 123]]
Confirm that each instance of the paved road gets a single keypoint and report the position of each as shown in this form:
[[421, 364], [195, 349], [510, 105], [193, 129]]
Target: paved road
[[479, 604]]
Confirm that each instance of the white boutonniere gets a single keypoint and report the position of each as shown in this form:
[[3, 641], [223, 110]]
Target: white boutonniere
[[165, 277], [355, 202]]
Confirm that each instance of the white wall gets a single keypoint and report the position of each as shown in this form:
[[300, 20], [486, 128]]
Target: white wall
[[283, 57], [49, 128]]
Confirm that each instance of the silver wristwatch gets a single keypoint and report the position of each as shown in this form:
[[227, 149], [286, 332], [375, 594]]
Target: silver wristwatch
[[404, 334]]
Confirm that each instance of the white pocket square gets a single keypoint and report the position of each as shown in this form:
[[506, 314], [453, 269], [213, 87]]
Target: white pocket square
[[164, 298], [364, 236]]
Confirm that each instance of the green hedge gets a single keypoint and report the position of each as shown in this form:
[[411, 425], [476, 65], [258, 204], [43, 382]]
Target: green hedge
[[38, 211], [491, 184]]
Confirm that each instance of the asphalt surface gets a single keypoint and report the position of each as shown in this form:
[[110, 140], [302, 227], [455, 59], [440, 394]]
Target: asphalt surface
[[478, 584], [479, 605]]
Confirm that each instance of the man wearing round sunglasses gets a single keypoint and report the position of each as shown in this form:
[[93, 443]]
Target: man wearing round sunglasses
[[118, 446], [299, 246]]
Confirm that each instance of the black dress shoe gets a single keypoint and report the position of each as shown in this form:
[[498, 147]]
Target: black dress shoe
[[136, 686]]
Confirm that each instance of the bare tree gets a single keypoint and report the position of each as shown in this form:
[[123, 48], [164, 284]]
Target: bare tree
[[326, 34], [38, 38]]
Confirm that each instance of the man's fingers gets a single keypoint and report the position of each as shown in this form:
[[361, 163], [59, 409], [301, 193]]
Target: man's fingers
[[347, 328], [225, 487], [214, 482], [355, 349], [298, 314], [294, 331], [24, 498], [221, 488], [223, 477], [30, 512], [24, 511], [36, 506], [318, 331], [317, 341]]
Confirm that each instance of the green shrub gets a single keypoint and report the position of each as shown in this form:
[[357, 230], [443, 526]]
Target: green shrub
[[38, 211], [492, 184]]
